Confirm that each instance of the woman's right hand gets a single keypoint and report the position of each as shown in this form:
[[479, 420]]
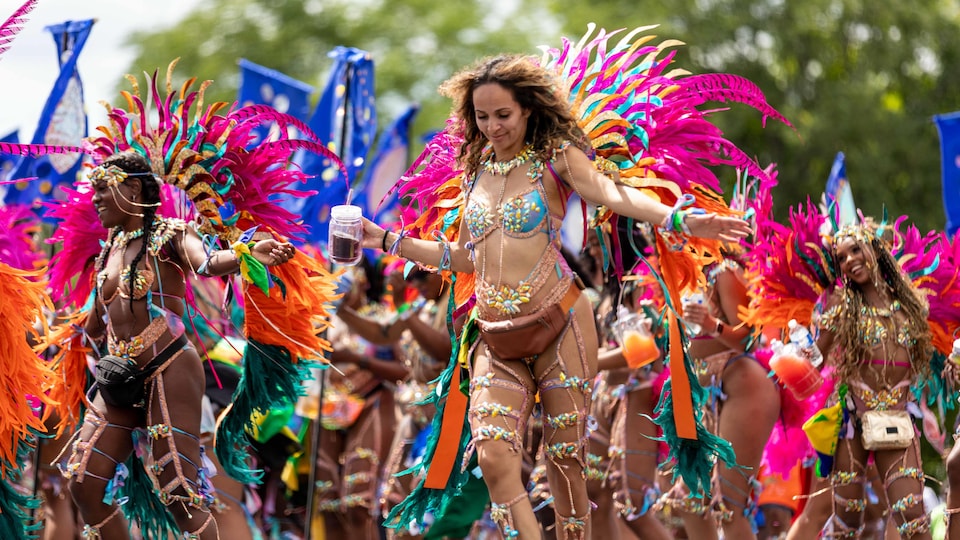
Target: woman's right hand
[[726, 228], [372, 234]]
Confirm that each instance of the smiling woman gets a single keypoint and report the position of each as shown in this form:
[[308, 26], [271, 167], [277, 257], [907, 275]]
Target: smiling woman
[[876, 326]]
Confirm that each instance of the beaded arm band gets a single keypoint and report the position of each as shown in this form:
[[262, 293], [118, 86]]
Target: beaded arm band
[[674, 228], [212, 247], [445, 261]]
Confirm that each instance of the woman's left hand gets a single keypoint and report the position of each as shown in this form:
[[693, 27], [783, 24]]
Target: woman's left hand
[[727, 228], [271, 252]]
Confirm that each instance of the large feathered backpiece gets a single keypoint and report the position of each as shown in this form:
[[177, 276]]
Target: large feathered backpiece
[[643, 119], [793, 271], [644, 123], [210, 172]]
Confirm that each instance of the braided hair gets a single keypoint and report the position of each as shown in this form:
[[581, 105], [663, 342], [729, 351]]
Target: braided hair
[[134, 163]]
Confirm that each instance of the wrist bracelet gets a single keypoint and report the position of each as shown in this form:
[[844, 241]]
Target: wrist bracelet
[[718, 331], [383, 243]]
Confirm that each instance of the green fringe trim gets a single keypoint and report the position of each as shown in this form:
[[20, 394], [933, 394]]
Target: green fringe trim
[[934, 384], [422, 500], [15, 506], [142, 504], [270, 380], [693, 459]]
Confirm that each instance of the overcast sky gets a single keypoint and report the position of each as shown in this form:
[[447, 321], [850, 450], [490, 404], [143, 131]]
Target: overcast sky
[[29, 68]]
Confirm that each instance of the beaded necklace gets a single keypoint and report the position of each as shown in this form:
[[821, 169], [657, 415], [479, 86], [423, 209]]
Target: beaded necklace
[[123, 238], [503, 168]]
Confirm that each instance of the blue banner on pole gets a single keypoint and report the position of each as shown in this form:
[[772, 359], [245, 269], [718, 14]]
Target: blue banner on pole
[[63, 122], [264, 86], [391, 159], [949, 127], [838, 192], [346, 121], [8, 161]]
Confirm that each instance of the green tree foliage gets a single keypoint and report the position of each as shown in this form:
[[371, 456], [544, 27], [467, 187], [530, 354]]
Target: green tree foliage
[[415, 44], [860, 77]]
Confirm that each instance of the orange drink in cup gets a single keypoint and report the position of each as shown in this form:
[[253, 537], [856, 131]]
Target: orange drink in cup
[[639, 349], [636, 343], [796, 373]]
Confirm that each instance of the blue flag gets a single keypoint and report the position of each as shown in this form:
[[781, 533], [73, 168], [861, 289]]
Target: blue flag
[[346, 120], [390, 160], [62, 122], [838, 192], [8, 161], [949, 127], [264, 86]]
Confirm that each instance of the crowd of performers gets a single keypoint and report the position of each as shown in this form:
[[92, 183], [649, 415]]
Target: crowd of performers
[[182, 367]]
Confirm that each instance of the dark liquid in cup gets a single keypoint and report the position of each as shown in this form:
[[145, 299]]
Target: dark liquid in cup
[[344, 248]]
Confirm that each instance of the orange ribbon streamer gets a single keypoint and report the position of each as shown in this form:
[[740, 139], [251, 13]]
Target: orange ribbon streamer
[[448, 443], [680, 388]]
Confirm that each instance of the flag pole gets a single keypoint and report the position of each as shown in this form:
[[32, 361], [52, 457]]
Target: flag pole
[[318, 427]]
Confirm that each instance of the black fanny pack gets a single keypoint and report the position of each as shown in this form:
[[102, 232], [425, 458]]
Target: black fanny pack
[[122, 383]]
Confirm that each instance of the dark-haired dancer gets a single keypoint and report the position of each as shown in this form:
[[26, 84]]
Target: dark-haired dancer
[[140, 288]]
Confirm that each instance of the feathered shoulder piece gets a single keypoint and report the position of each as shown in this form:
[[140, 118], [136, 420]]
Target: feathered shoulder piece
[[434, 186], [212, 174], [790, 270], [931, 262], [642, 118]]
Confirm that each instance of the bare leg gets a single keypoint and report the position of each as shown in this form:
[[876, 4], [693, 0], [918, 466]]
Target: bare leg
[[174, 426], [565, 380], [640, 468], [953, 493], [815, 513], [328, 481], [599, 487], [395, 488], [103, 443], [501, 401], [902, 475], [847, 481], [746, 420], [366, 449]]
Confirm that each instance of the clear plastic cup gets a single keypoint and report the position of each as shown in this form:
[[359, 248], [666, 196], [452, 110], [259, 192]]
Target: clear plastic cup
[[636, 342], [796, 372], [346, 230]]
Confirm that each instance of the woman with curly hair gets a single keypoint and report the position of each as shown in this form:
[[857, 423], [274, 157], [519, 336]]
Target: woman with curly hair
[[875, 329], [523, 155]]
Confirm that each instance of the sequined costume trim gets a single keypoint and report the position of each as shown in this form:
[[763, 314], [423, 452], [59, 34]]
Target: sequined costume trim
[[135, 346]]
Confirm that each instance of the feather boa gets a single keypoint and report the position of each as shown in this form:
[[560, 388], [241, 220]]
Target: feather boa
[[18, 224], [23, 300]]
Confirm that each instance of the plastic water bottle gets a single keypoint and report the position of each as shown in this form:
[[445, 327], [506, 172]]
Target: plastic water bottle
[[696, 297], [803, 339], [955, 354]]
